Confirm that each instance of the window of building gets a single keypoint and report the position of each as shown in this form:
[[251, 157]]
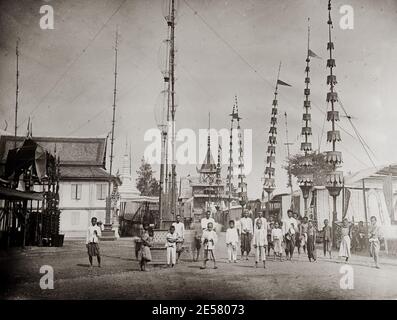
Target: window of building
[[101, 191], [76, 191]]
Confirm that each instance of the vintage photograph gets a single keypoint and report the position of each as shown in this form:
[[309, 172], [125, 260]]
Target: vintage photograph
[[198, 150]]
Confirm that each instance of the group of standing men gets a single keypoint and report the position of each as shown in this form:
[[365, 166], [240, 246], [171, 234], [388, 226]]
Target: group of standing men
[[277, 235]]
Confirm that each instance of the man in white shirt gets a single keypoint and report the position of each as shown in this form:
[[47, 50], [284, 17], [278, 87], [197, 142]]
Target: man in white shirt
[[287, 222], [263, 221], [180, 233], [246, 234], [231, 242], [207, 219], [92, 241]]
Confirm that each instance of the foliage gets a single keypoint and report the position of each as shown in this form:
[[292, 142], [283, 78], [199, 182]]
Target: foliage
[[320, 167], [146, 183]]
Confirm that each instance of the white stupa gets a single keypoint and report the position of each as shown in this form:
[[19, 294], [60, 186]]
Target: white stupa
[[127, 190]]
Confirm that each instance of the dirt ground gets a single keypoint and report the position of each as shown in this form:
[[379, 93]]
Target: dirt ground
[[120, 277]]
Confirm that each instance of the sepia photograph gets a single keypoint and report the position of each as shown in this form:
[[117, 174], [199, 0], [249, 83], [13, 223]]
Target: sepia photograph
[[198, 150]]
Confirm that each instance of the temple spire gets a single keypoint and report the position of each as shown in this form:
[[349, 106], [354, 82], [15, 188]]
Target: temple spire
[[335, 180], [242, 185], [305, 180], [269, 184]]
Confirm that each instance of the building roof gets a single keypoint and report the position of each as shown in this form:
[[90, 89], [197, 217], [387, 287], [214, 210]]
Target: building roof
[[83, 173], [376, 174], [208, 166], [72, 151], [80, 158]]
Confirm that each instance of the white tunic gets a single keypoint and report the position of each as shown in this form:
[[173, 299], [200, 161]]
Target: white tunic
[[173, 237], [287, 224], [179, 229], [260, 237], [211, 238], [231, 236], [91, 236], [277, 234], [246, 225]]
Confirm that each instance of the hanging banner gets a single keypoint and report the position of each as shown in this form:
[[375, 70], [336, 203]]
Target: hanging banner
[[346, 202], [388, 193]]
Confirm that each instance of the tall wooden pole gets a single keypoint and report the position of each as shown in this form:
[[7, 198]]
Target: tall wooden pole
[[108, 222], [365, 204], [288, 156], [16, 92], [173, 108]]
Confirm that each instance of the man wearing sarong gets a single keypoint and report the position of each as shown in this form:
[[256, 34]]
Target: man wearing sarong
[[92, 241], [374, 240], [290, 226], [246, 234], [180, 233]]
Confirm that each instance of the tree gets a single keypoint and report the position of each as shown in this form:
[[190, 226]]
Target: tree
[[146, 183], [319, 169]]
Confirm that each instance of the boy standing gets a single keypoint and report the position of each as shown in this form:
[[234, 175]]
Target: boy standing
[[246, 234], [196, 244], [303, 233], [290, 241], [375, 236], [180, 232], [170, 244], [231, 242], [327, 243], [92, 241], [311, 241], [263, 220], [260, 243], [209, 240], [277, 238], [270, 227]]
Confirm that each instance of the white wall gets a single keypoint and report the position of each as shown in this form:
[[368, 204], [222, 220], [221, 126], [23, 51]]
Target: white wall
[[76, 214]]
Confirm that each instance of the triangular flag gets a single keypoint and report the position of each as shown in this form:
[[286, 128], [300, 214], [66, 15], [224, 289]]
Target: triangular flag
[[283, 83], [235, 115], [312, 54]]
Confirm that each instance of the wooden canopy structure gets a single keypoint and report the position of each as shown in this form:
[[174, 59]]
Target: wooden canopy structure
[[29, 199]]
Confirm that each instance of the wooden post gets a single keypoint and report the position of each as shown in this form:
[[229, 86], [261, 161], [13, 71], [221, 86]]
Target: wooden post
[[365, 204]]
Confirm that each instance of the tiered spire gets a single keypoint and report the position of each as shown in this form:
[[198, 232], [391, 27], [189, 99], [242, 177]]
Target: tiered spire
[[269, 184], [208, 168], [229, 177], [218, 166], [218, 180], [242, 185], [306, 180], [235, 121], [335, 179]]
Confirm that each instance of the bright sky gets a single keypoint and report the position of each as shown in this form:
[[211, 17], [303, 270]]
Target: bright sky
[[229, 47]]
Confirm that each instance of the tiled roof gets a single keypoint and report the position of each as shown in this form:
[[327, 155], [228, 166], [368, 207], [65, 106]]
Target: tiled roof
[[72, 151], [83, 173]]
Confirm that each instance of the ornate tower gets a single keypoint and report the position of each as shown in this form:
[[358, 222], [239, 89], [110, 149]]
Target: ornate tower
[[229, 177], [242, 185], [269, 184], [306, 179], [335, 178]]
